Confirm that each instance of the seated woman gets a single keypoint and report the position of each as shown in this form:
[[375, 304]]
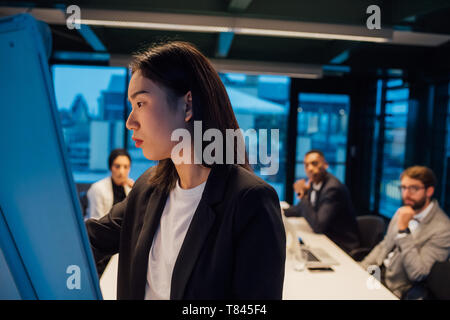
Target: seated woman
[[105, 193]]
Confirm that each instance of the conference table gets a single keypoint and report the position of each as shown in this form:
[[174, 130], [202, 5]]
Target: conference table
[[348, 281]]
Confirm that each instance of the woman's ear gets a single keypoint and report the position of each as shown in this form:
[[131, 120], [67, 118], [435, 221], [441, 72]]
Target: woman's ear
[[188, 111]]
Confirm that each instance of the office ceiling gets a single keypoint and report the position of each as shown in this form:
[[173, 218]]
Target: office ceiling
[[424, 16]]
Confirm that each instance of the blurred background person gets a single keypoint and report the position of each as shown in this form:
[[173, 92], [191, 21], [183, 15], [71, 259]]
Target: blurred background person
[[417, 237], [103, 194], [325, 203]]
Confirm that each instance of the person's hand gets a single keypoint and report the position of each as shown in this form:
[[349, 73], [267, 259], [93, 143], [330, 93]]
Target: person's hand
[[129, 182], [301, 187], [284, 205], [405, 214]]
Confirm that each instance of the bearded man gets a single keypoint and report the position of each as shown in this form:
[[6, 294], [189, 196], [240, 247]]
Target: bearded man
[[417, 237]]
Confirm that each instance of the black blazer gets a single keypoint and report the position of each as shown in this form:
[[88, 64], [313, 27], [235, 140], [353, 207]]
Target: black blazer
[[234, 248], [332, 215]]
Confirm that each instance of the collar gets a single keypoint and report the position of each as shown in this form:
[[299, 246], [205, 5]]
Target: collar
[[195, 238], [198, 231], [216, 183], [421, 215], [112, 181], [317, 186]]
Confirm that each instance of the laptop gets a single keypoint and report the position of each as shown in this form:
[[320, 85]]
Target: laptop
[[313, 257]]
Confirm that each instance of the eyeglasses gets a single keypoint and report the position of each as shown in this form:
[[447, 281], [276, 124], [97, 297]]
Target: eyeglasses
[[411, 189]]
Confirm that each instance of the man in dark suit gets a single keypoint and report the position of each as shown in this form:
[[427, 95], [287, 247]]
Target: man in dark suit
[[325, 203]]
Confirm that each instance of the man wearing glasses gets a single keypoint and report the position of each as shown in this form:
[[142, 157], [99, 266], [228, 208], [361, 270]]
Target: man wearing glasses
[[417, 237]]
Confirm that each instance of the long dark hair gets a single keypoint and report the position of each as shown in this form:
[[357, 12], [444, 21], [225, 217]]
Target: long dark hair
[[115, 153], [179, 67]]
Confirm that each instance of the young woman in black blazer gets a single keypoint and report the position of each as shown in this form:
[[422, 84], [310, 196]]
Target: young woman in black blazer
[[234, 244]]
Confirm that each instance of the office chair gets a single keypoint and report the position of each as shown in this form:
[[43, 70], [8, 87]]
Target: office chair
[[83, 202], [82, 189], [438, 281], [371, 231], [435, 286]]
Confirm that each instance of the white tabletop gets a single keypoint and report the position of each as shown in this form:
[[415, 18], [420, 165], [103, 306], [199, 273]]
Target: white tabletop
[[108, 281], [349, 281]]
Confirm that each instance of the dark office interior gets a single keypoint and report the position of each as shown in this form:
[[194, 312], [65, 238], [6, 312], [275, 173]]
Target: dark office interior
[[372, 107], [398, 107], [399, 93]]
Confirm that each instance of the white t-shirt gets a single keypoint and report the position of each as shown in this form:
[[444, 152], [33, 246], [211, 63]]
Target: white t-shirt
[[175, 220]]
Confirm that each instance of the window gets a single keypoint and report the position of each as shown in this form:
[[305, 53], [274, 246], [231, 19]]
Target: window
[[442, 107], [322, 123], [390, 143], [90, 100], [375, 166], [262, 102]]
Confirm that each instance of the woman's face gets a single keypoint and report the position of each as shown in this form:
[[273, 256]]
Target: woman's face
[[152, 119], [120, 169]]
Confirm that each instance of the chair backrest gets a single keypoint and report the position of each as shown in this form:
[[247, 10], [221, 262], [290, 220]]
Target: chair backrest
[[371, 230], [438, 281], [82, 189]]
